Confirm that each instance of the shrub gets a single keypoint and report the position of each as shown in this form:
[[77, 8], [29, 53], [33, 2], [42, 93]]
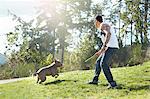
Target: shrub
[[21, 70], [136, 55]]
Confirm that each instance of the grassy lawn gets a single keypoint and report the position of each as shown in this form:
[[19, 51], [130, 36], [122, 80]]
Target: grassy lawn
[[134, 83]]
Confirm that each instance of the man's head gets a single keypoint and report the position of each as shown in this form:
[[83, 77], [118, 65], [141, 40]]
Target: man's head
[[98, 21]]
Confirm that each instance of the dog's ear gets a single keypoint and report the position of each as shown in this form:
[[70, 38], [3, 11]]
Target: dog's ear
[[54, 60]]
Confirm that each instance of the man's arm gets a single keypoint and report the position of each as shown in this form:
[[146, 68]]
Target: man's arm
[[106, 30]]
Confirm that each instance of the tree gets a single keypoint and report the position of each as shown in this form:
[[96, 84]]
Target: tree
[[76, 15], [86, 50], [146, 22], [33, 43], [57, 20], [135, 16]]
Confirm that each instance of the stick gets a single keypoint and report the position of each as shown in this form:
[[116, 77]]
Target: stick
[[90, 58]]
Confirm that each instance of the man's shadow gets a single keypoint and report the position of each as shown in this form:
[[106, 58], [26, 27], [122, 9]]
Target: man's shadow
[[131, 87], [120, 86], [59, 81], [139, 87]]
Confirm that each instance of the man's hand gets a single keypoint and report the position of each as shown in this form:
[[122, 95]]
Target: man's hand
[[101, 51], [98, 53]]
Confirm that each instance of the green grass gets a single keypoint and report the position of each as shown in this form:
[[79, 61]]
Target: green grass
[[134, 83]]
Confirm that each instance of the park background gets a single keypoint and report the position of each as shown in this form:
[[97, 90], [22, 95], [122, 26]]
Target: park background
[[33, 32]]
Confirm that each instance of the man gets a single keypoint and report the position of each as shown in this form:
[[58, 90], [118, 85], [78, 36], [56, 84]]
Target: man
[[110, 44]]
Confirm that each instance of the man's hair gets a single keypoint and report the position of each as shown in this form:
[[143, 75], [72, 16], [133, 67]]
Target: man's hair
[[99, 18]]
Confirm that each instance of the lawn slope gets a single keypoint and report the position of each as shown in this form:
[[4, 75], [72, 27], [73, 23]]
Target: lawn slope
[[134, 83]]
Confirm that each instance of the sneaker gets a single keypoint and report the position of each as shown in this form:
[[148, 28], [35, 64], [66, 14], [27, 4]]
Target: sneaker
[[93, 82], [111, 87]]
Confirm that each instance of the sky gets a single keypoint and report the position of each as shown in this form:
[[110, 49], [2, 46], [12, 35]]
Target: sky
[[22, 8]]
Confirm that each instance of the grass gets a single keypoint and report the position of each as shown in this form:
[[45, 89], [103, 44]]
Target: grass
[[134, 83]]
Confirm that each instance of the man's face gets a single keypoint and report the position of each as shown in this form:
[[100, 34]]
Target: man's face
[[97, 24]]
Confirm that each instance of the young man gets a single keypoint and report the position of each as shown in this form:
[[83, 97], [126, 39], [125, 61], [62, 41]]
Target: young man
[[110, 44]]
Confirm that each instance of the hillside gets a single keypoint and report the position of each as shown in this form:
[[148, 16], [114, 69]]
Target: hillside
[[134, 83]]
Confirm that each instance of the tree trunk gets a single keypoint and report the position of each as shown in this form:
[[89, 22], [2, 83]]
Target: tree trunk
[[53, 45], [131, 33], [141, 32], [145, 22], [62, 55]]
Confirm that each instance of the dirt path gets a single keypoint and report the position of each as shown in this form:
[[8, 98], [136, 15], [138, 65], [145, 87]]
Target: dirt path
[[11, 80]]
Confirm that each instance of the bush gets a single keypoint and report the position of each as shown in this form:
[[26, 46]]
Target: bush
[[120, 57], [128, 56], [21, 70], [85, 51], [5, 72], [136, 55]]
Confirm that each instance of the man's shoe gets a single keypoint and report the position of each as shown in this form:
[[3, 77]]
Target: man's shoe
[[93, 82], [112, 87]]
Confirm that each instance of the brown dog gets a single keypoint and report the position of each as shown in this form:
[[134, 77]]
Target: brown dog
[[48, 70]]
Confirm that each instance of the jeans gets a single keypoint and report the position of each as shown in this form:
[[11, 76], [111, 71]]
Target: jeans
[[102, 63]]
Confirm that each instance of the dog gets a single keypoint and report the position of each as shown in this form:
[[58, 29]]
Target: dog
[[48, 70]]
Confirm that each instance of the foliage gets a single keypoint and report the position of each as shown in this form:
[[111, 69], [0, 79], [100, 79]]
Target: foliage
[[71, 61], [49, 32], [120, 57], [21, 70], [135, 17], [86, 50], [128, 56], [136, 55], [38, 40]]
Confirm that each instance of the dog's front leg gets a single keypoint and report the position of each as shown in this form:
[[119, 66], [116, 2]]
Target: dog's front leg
[[53, 75], [56, 75], [37, 79]]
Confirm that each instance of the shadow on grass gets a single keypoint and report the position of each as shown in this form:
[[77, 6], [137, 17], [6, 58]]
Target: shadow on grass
[[131, 88], [139, 87], [59, 81], [119, 86]]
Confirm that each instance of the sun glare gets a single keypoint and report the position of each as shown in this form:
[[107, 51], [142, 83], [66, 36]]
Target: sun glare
[[20, 0]]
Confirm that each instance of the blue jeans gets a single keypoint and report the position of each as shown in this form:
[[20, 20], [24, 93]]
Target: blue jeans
[[102, 63]]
